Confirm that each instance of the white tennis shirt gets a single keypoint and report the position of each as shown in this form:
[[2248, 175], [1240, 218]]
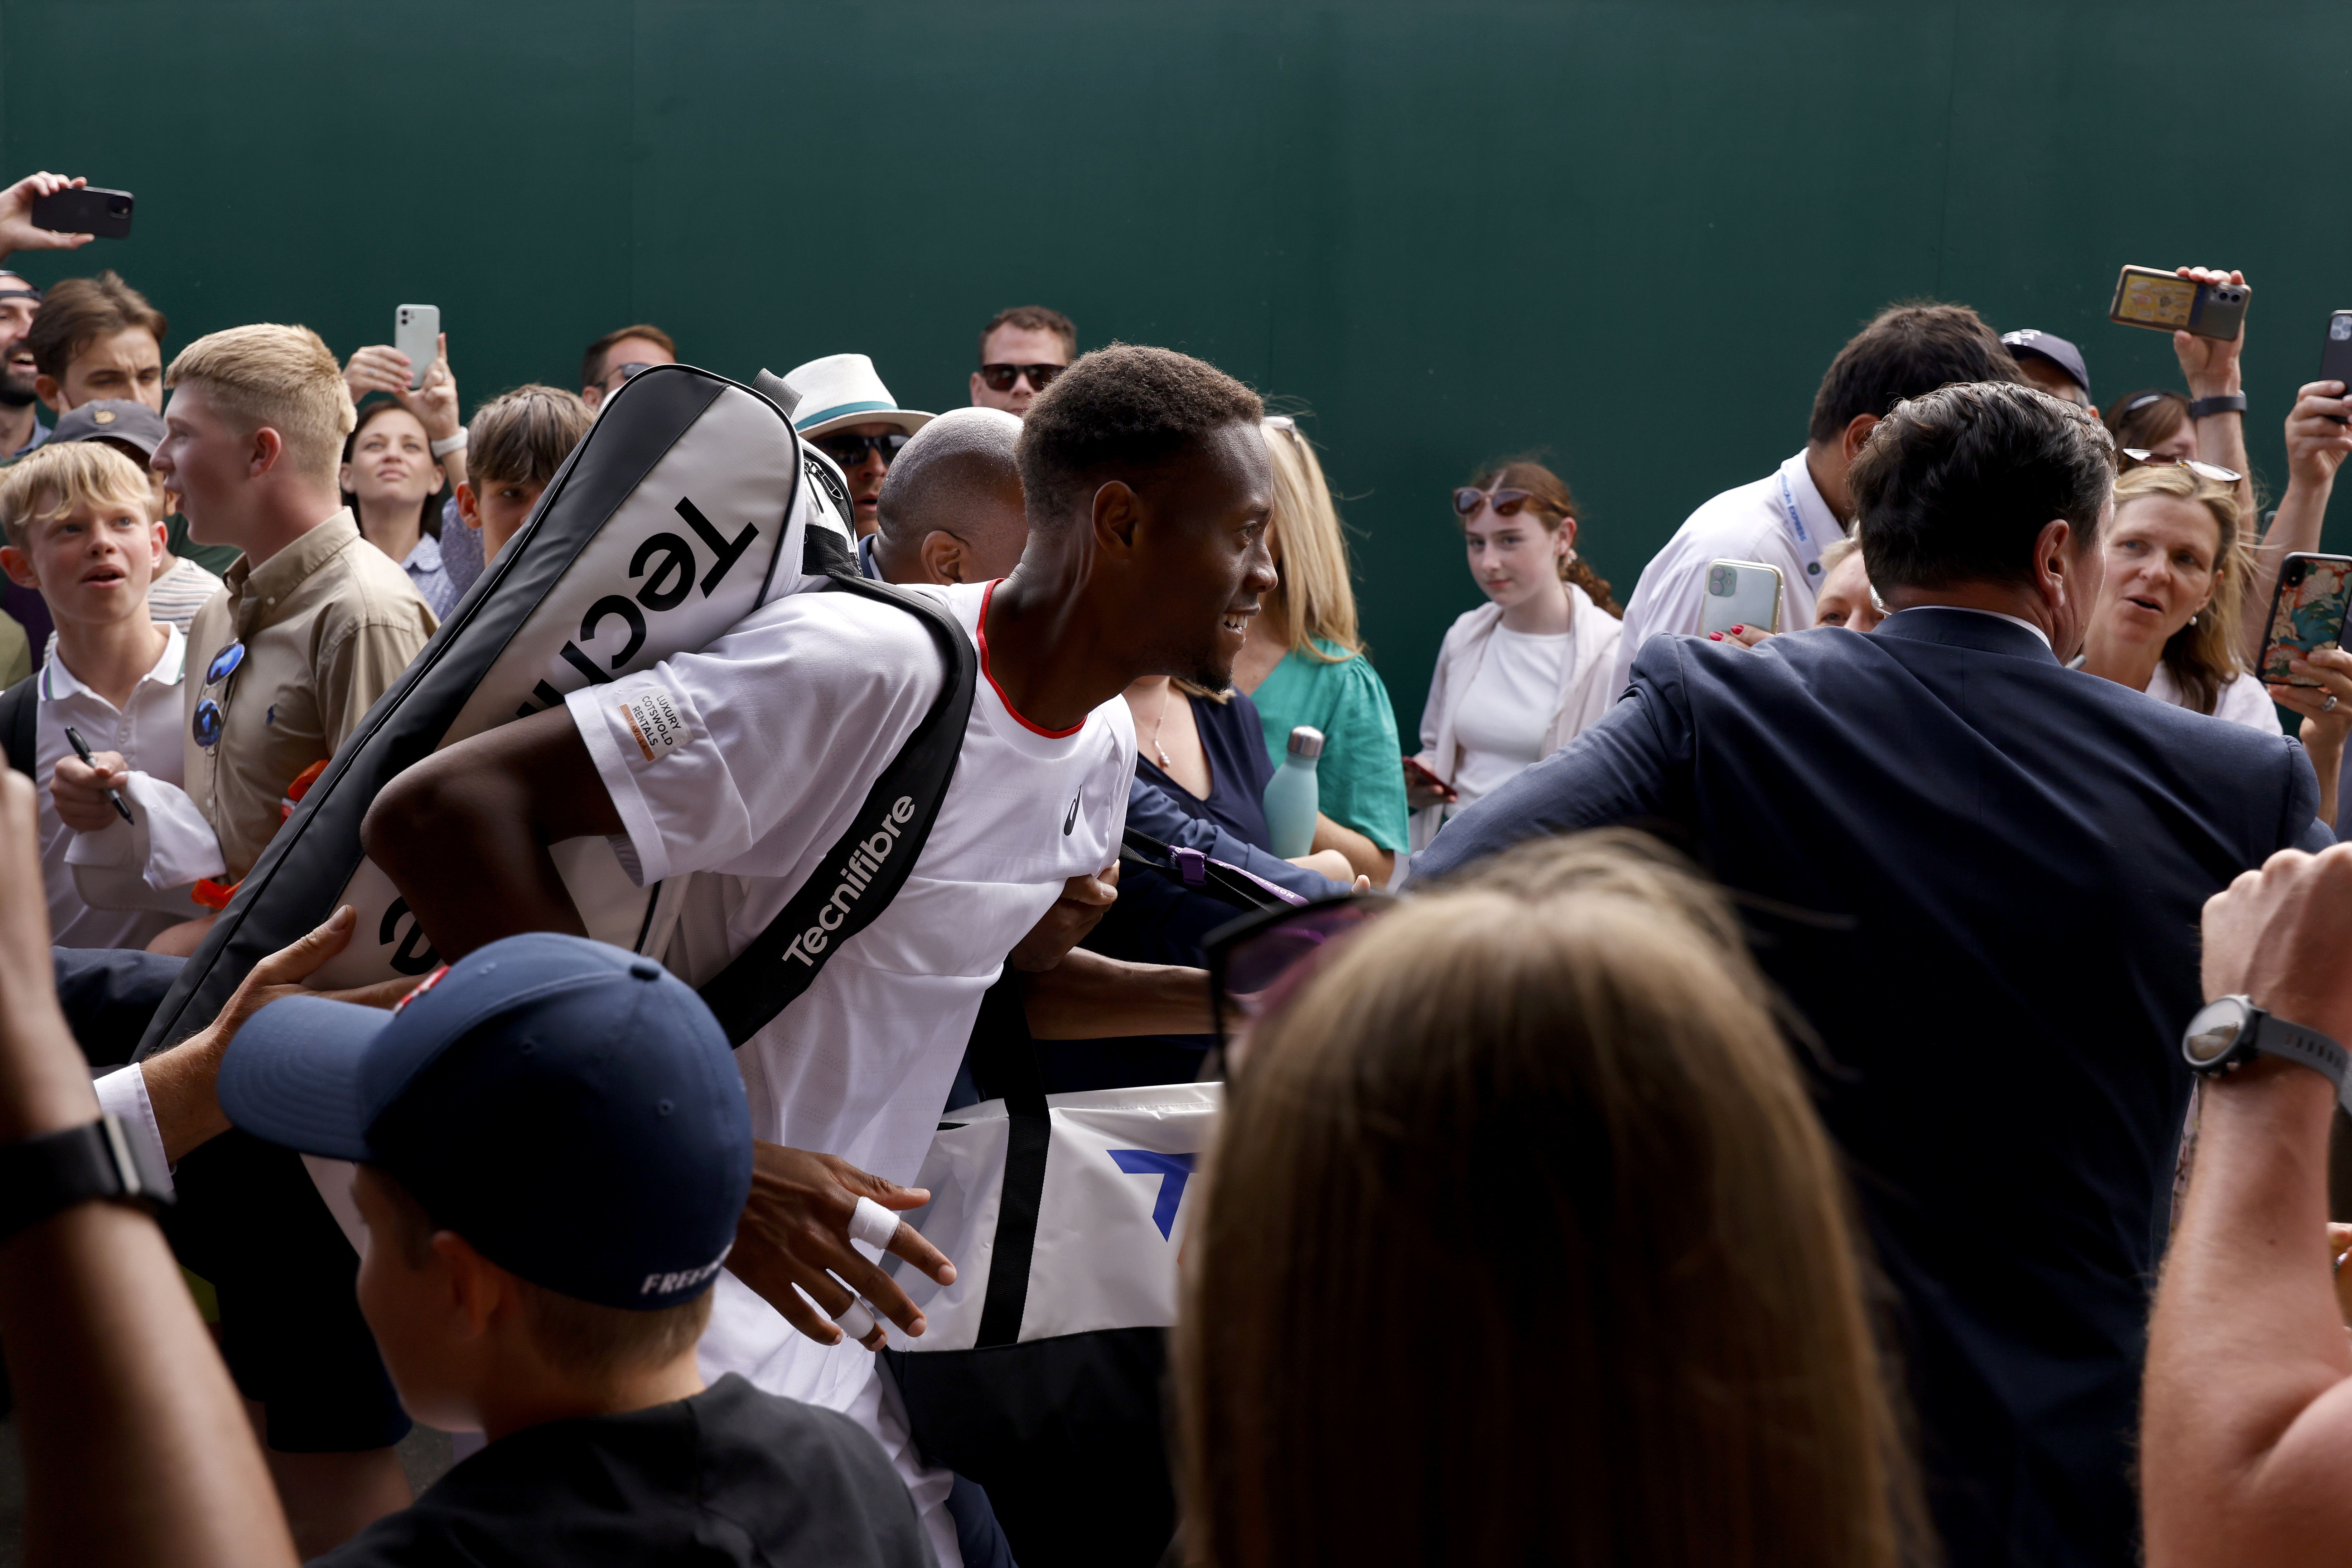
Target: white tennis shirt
[[780, 727]]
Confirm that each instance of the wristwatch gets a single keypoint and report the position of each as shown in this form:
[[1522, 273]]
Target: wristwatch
[[2230, 1031], [40, 1176], [2226, 403]]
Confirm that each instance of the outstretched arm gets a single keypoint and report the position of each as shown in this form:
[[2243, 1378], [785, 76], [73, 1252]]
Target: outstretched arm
[[115, 1375], [463, 834], [2247, 1414]]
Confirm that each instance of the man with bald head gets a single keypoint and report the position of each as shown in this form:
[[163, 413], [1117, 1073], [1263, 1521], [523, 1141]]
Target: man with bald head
[[952, 510]]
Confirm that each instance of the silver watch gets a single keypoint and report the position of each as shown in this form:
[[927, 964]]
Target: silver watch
[[2231, 1031]]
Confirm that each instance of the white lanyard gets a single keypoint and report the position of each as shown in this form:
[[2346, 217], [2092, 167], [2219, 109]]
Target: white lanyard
[[1808, 547]]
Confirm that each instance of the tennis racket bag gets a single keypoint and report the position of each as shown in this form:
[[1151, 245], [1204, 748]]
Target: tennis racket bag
[[688, 504]]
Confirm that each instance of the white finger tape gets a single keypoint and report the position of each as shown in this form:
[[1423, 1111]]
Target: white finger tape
[[871, 1223], [854, 1322]]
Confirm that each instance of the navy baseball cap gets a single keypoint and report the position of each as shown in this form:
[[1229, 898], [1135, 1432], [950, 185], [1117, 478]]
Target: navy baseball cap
[[2054, 348], [571, 1109], [120, 419]]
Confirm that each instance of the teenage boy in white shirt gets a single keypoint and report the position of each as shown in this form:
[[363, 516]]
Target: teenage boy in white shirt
[[1148, 492], [79, 531]]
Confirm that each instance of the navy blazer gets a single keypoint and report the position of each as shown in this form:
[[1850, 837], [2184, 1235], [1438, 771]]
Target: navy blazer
[[1985, 872]]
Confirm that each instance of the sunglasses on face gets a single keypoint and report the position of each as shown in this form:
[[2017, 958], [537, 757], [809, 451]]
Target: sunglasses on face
[[2213, 471], [850, 451], [209, 720], [1002, 377], [1256, 961], [1507, 503], [625, 372]]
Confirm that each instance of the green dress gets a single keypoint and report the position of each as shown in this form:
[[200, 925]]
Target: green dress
[[1359, 783]]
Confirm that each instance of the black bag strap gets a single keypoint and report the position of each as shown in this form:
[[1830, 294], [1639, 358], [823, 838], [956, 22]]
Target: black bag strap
[[1005, 1059], [20, 705], [857, 878]]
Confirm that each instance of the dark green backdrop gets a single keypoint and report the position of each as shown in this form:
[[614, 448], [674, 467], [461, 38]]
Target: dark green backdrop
[[1630, 233]]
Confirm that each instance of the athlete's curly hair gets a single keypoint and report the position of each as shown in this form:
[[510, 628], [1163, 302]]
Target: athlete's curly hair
[[1120, 412]]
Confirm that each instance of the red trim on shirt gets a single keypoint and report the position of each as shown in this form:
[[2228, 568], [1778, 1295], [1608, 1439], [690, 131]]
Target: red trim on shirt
[[985, 595]]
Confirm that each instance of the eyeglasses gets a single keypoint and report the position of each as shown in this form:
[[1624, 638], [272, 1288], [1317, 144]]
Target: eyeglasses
[[1470, 497], [850, 451], [2213, 471], [1256, 961], [1002, 377], [625, 372], [206, 726]]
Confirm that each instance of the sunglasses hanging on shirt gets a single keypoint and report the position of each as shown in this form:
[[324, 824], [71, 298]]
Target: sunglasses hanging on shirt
[[209, 720], [1002, 377]]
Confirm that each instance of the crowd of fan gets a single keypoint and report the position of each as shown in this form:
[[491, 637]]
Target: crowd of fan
[[1569, 1204]]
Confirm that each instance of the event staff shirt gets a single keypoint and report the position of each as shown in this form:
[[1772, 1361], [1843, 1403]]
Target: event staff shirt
[[328, 622], [1753, 522], [146, 730], [770, 738], [731, 1475]]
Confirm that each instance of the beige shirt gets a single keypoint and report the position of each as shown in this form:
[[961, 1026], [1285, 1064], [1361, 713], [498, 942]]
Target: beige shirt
[[328, 624]]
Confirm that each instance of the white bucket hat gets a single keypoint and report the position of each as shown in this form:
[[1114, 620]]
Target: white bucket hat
[[844, 389]]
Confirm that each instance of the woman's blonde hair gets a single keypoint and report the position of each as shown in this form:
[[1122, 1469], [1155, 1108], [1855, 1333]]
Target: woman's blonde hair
[[1314, 599], [50, 481], [2203, 655], [1521, 1222]]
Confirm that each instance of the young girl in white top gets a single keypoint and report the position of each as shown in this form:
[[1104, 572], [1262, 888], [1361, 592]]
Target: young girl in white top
[[1518, 677]]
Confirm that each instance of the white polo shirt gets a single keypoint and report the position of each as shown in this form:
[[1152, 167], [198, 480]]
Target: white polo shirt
[[782, 727], [98, 889], [1780, 520]]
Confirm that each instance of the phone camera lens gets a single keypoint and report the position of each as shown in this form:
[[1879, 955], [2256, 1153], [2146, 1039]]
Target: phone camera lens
[[2296, 570]]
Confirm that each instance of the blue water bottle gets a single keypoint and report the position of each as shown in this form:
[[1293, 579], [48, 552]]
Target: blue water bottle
[[1290, 794]]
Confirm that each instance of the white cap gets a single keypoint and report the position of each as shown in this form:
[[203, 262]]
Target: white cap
[[845, 389]]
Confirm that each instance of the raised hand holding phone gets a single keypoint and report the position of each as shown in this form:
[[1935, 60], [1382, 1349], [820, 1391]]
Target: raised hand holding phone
[[17, 229]]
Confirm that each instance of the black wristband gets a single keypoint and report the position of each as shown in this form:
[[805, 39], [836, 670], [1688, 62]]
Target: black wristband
[[41, 1176], [2229, 403]]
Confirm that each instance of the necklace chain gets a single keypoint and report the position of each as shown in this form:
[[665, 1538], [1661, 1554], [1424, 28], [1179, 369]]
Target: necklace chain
[[1159, 718]]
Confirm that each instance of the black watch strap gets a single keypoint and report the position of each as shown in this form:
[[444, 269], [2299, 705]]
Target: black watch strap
[[41, 1176], [2228, 403]]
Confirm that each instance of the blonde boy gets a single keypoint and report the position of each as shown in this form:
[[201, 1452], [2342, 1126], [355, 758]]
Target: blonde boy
[[80, 531]]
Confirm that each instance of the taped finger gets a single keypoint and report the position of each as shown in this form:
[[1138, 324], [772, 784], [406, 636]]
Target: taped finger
[[872, 1225]]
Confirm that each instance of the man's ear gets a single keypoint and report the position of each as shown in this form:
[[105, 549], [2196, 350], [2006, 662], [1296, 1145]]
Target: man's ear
[[19, 567], [1116, 510], [476, 1286], [592, 395], [468, 507], [2056, 562], [263, 450], [1857, 431], [47, 389], [943, 557]]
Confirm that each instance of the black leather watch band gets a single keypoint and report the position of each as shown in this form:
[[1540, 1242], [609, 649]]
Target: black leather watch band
[[2228, 403], [40, 1176]]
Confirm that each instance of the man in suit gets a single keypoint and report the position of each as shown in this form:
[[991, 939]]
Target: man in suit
[[1977, 875]]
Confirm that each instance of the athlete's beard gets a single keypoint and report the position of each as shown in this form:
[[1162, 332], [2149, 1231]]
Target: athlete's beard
[[16, 390]]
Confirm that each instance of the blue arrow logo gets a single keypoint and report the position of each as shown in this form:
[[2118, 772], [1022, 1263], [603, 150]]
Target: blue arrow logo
[[1174, 1171]]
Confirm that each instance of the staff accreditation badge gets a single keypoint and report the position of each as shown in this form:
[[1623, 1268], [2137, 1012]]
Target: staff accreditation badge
[[655, 724]]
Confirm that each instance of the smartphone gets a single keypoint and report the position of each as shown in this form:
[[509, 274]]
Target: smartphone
[[2307, 613], [416, 332], [1414, 766], [85, 209], [1741, 593], [2335, 353], [2167, 302]]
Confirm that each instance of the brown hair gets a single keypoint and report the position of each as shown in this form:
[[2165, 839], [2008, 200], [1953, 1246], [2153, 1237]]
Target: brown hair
[[51, 480], [428, 517], [2144, 418], [1906, 351], [1552, 503], [591, 360], [2203, 655], [578, 1338], [1525, 1186], [78, 312], [282, 377], [1032, 318], [523, 436]]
